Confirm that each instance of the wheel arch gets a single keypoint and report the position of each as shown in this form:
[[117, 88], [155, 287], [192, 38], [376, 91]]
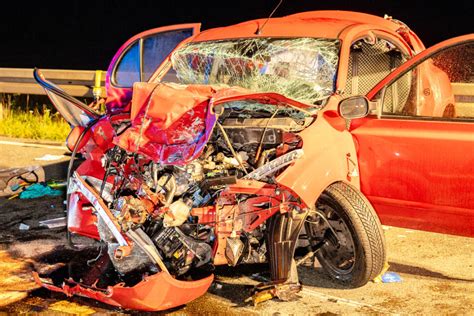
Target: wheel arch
[[329, 157]]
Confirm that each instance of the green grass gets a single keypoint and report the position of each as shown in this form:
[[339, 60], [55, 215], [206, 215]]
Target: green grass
[[34, 125]]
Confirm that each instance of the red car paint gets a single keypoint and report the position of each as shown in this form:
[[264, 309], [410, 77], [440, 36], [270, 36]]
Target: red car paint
[[155, 293], [181, 120], [419, 173], [324, 163]]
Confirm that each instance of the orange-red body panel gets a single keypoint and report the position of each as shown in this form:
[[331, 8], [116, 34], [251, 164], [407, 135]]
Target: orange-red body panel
[[156, 292], [81, 219], [329, 156], [323, 24], [419, 174]]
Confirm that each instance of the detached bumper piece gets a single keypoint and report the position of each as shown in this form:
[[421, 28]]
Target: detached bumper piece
[[155, 293]]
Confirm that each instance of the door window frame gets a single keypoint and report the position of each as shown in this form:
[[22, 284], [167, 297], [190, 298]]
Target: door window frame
[[140, 43], [139, 38], [377, 91], [113, 80]]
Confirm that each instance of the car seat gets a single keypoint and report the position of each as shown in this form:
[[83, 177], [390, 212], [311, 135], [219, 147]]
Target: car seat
[[368, 65]]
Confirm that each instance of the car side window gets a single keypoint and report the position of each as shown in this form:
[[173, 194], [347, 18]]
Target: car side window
[[439, 87], [158, 46], [128, 68], [142, 58]]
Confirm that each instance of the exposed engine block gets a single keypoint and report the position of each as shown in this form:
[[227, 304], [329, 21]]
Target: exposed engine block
[[158, 199]]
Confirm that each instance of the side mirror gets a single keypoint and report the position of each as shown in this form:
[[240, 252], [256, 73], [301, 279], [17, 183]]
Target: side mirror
[[354, 107]]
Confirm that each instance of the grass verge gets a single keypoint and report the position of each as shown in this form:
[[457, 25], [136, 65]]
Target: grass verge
[[34, 125]]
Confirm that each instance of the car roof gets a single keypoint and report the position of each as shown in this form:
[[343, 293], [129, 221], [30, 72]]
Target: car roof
[[318, 24]]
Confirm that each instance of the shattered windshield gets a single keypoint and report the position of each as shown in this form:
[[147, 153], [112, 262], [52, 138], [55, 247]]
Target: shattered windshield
[[303, 69]]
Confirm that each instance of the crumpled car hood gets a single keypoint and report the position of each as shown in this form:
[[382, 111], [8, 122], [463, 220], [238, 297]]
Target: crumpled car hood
[[171, 123]]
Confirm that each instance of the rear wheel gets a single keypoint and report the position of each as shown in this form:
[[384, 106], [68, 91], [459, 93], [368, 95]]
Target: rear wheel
[[346, 235]]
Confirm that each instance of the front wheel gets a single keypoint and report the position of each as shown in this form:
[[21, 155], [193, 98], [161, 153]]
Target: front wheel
[[345, 233]]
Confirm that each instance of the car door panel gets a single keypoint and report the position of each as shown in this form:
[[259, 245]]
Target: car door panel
[[137, 59], [417, 168], [409, 170]]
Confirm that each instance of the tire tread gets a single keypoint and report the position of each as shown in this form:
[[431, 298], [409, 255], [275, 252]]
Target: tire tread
[[366, 223]]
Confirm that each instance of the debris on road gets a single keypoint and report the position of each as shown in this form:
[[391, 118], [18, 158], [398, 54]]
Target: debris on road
[[24, 227], [38, 190], [387, 276], [15, 279], [71, 308], [391, 277], [49, 157], [53, 223], [14, 179], [56, 184]]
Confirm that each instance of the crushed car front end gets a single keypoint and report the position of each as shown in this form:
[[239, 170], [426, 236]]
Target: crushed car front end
[[222, 163]]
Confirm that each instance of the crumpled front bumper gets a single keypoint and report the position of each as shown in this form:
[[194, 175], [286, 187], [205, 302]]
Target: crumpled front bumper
[[155, 293]]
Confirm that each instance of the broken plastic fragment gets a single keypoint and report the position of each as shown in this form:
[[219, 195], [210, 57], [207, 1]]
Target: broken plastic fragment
[[154, 293], [391, 277], [24, 227], [49, 157], [53, 223]]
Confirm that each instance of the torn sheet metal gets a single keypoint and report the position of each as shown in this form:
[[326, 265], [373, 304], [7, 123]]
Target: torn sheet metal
[[274, 165], [77, 183], [172, 123]]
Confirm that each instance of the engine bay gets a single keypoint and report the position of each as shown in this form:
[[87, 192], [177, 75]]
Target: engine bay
[[174, 213]]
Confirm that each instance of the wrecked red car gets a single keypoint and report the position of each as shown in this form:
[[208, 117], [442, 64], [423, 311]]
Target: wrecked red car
[[237, 144]]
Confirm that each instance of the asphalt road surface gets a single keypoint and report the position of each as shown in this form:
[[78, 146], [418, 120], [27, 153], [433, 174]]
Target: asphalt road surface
[[436, 270]]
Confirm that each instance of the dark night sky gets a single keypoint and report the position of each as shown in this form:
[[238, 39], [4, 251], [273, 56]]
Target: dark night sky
[[85, 34]]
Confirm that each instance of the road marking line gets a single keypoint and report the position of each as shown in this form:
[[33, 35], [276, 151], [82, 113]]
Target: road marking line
[[6, 142], [346, 301]]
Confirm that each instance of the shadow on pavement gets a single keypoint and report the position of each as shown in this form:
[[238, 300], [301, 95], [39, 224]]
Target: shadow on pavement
[[419, 271]]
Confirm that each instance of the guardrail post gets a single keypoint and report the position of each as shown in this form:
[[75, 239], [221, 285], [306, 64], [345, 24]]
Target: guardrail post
[[97, 90]]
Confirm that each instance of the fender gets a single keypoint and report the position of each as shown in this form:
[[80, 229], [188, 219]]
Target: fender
[[329, 156]]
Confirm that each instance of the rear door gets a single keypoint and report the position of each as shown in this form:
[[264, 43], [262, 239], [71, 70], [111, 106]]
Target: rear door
[[137, 59], [416, 152]]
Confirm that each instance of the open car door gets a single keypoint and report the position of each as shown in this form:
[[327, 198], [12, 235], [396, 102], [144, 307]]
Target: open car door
[[71, 109], [138, 58], [416, 150]]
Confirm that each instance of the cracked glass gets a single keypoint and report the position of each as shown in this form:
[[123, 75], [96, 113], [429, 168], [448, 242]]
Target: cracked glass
[[303, 69]]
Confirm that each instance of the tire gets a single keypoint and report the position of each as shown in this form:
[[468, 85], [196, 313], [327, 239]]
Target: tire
[[357, 253]]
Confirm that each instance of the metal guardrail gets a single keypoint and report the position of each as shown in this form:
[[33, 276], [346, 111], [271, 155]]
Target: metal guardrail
[[78, 83], [81, 83], [464, 99]]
